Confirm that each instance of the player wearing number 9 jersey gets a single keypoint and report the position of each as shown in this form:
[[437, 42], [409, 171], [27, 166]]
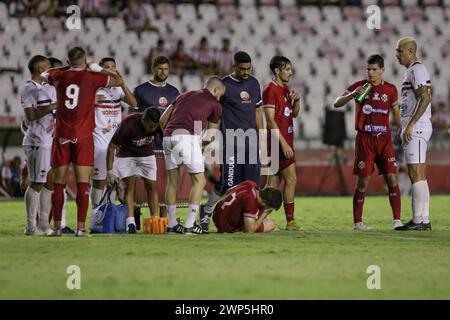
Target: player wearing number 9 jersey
[[245, 208], [75, 122]]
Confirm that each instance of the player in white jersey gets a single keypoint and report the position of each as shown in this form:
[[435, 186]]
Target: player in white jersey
[[108, 115], [415, 112], [38, 100]]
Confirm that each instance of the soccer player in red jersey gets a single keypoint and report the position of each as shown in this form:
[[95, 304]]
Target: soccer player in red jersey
[[73, 137], [373, 142], [245, 208], [281, 105]]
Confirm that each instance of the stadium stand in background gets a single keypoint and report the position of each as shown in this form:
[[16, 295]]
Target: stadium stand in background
[[327, 43]]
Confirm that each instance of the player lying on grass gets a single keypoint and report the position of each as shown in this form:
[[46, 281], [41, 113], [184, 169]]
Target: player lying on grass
[[245, 208]]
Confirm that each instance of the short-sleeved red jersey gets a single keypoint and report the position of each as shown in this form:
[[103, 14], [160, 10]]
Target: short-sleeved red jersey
[[75, 90], [241, 201], [277, 97], [372, 115]]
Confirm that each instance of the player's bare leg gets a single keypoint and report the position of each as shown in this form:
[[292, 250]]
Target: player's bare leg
[[195, 197], [152, 196], [289, 176], [394, 198], [130, 183], [267, 226], [173, 179], [98, 188], [358, 202]]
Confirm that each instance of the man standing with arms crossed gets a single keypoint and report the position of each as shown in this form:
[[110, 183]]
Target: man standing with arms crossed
[[373, 142], [73, 138], [242, 115], [415, 112], [183, 124]]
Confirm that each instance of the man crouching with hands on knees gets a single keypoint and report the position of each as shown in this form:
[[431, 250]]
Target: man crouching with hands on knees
[[245, 208], [135, 140]]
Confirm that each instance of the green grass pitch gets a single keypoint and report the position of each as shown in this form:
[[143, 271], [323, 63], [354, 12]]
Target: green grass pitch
[[325, 261]]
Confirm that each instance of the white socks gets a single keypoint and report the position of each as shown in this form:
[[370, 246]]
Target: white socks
[[32, 207], [45, 206], [172, 215], [420, 202], [96, 196], [192, 215], [130, 221], [63, 212], [212, 200]]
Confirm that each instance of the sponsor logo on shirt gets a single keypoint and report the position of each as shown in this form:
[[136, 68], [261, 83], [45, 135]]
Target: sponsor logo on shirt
[[374, 128], [143, 142], [376, 96], [287, 111], [245, 96], [162, 102], [367, 109]]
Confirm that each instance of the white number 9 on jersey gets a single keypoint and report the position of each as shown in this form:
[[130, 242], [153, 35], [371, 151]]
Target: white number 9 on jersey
[[72, 92]]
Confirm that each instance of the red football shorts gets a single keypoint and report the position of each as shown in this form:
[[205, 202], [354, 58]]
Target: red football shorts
[[79, 151], [373, 149]]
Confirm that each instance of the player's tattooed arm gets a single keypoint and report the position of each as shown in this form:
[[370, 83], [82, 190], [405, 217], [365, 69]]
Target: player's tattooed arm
[[129, 97], [272, 125], [423, 99], [208, 138], [165, 117]]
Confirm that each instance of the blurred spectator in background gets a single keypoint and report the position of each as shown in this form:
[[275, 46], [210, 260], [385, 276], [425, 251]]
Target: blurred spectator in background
[[181, 60], [11, 177], [46, 8], [441, 125], [329, 50], [154, 52], [204, 58], [96, 8], [136, 17], [224, 59]]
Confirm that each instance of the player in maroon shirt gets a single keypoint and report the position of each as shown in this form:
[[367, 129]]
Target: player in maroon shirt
[[73, 137], [134, 140], [281, 105], [183, 123], [245, 208], [373, 142]]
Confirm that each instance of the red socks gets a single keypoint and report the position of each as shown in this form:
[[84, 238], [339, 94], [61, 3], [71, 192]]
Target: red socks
[[358, 203], [289, 211], [57, 202], [394, 200], [82, 202]]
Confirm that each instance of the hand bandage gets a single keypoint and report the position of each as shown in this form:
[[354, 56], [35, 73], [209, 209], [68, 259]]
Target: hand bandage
[[95, 67]]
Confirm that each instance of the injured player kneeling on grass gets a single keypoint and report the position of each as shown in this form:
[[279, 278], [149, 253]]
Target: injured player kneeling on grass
[[245, 208]]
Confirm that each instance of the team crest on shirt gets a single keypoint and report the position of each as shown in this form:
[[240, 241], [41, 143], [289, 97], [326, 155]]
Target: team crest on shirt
[[245, 96], [287, 111], [361, 165], [162, 102], [384, 97], [367, 109]]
